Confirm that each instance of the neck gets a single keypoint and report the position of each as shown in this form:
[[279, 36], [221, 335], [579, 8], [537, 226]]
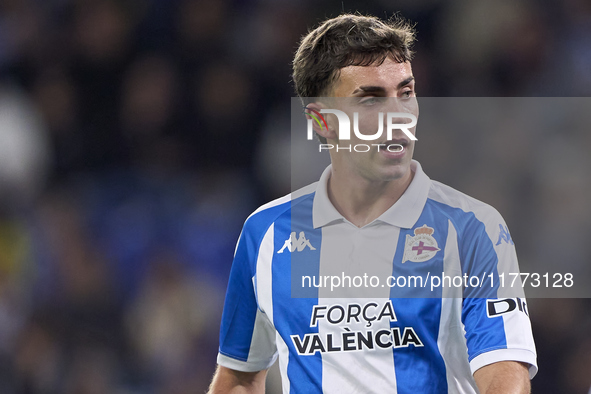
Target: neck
[[360, 200]]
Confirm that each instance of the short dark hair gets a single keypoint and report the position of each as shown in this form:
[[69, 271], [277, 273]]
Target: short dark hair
[[348, 40]]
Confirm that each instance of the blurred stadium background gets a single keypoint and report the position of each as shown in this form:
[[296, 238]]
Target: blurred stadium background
[[136, 136]]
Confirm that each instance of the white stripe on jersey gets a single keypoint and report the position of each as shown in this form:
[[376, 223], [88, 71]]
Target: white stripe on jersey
[[370, 244], [283, 352], [264, 273], [451, 341], [375, 369], [263, 342], [518, 340], [263, 338]]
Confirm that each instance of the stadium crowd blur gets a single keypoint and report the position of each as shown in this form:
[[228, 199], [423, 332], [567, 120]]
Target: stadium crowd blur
[[136, 137]]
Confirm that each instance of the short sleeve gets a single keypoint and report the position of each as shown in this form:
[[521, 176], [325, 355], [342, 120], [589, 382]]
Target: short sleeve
[[495, 318], [247, 337]]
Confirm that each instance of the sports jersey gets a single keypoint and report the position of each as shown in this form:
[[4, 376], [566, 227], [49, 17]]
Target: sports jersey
[[376, 337]]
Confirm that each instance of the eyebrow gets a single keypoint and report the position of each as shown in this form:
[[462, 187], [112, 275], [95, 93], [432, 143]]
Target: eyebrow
[[380, 89]]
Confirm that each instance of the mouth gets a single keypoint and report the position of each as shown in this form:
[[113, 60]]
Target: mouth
[[394, 146]]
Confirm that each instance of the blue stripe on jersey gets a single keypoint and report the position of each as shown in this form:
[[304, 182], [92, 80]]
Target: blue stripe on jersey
[[420, 369], [239, 313], [477, 253], [238, 317], [478, 258], [291, 314], [433, 266], [484, 333], [306, 262]]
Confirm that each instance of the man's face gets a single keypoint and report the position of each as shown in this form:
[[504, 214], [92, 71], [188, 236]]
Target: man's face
[[389, 87]]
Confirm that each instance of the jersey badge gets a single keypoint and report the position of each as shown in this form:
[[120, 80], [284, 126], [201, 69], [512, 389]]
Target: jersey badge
[[421, 247]]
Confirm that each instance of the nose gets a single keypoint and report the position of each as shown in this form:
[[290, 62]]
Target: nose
[[401, 118], [404, 122], [400, 104]]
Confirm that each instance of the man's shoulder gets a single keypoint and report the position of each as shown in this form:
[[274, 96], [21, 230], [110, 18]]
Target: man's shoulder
[[454, 199], [268, 213]]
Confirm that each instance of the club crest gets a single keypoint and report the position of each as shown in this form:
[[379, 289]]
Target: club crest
[[421, 247]]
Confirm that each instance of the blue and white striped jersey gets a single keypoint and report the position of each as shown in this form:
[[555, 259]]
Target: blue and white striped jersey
[[375, 335]]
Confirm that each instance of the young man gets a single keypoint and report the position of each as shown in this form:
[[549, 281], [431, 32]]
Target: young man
[[376, 212]]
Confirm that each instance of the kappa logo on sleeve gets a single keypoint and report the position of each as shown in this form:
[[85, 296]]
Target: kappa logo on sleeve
[[504, 235], [294, 243]]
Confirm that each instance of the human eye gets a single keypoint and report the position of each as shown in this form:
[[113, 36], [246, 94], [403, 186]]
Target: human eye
[[408, 93], [371, 101]]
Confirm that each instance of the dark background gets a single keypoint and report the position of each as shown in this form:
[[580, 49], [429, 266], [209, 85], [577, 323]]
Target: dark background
[[136, 137]]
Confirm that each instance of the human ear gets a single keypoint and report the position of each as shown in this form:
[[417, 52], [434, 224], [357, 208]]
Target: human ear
[[323, 124]]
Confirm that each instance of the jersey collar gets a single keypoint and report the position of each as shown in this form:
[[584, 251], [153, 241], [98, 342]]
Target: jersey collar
[[404, 213]]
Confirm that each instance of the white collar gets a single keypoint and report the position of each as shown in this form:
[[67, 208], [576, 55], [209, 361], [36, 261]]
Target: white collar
[[404, 213]]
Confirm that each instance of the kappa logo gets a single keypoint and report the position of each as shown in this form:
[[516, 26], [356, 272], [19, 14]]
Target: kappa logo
[[294, 243], [504, 235], [421, 247]]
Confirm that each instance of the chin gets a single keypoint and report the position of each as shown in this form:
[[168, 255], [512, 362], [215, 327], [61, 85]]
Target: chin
[[395, 173]]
